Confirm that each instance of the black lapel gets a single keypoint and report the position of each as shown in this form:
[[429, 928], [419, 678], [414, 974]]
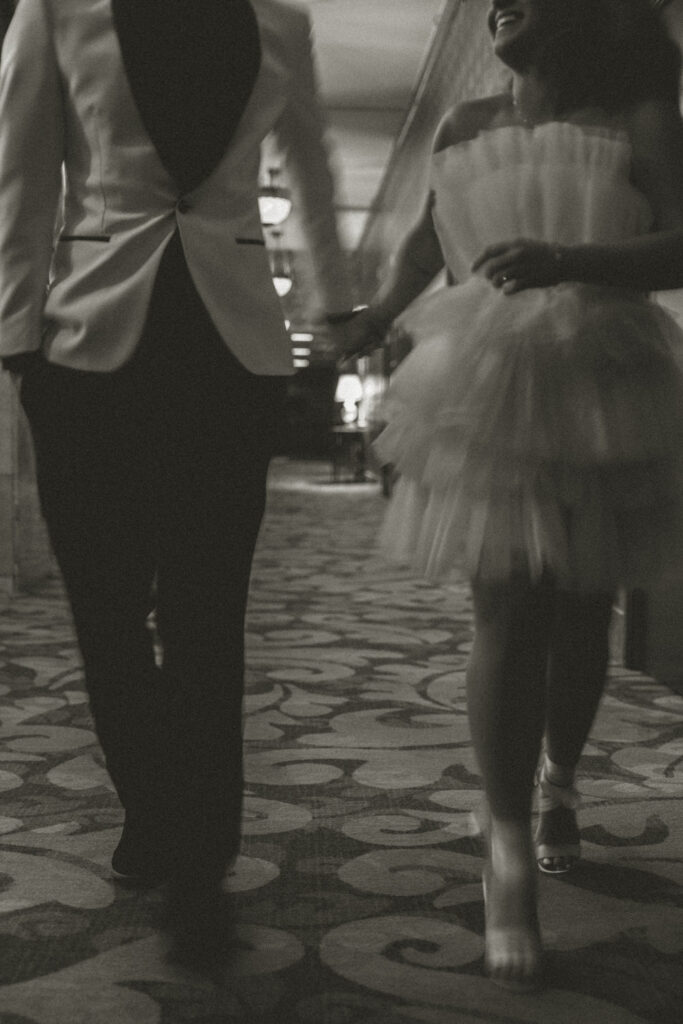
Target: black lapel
[[6, 14], [191, 66]]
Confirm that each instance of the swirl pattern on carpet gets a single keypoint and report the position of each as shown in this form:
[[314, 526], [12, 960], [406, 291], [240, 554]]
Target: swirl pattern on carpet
[[358, 888]]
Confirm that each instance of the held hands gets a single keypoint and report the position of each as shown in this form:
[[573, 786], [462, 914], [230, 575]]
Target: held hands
[[522, 263], [358, 335]]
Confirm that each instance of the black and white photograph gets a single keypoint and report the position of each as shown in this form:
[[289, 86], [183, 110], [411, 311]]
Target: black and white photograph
[[341, 511]]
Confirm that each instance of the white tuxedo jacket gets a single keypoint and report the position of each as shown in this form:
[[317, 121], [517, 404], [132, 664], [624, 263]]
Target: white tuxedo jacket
[[74, 151]]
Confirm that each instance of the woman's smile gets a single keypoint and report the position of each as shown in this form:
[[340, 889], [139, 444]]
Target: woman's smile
[[504, 19], [505, 16]]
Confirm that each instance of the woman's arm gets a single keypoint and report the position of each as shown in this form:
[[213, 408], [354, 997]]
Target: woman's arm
[[419, 258], [650, 262], [418, 261]]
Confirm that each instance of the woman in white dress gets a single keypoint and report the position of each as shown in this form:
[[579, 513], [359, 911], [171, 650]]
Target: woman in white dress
[[537, 426]]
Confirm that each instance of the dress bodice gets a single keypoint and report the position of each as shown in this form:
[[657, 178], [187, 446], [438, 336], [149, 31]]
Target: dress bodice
[[558, 182]]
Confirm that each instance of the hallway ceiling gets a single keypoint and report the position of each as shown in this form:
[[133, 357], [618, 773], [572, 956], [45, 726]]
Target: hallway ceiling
[[369, 54]]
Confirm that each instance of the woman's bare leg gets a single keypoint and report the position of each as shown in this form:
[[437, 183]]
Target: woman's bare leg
[[506, 684], [579, 654]]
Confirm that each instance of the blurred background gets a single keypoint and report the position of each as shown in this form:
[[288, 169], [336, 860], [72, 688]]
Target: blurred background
[[387, 69]]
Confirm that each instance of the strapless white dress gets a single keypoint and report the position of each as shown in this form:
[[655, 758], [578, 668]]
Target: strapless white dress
[[541, 430]]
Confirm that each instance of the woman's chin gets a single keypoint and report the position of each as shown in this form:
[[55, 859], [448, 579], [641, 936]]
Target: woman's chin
[[514, 50]]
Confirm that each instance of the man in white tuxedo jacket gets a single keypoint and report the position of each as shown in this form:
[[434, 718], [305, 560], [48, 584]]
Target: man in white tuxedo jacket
[[152, 355]]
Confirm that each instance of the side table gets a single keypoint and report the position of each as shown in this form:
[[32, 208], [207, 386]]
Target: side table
[[348, 454]]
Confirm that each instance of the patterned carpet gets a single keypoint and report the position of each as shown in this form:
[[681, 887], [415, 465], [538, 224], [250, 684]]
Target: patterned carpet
[[358, 889]]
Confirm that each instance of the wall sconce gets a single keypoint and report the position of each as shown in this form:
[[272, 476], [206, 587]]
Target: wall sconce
[[274, 202], [281, 267], [349, 393]]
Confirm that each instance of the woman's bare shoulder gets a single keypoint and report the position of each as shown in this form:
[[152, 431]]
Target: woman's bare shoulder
[[465, 120]]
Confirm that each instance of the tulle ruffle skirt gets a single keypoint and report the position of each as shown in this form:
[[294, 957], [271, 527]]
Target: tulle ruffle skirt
[[537, 432]]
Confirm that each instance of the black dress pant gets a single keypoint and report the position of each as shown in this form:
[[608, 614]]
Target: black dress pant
[[155, 475]]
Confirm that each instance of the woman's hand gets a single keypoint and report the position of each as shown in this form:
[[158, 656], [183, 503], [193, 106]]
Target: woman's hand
[[522, 263]]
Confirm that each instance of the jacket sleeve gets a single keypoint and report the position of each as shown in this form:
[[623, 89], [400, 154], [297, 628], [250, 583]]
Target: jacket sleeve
[[31, 152], [300, 137]]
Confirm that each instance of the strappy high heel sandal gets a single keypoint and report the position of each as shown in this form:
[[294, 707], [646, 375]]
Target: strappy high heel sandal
[[557, 839]]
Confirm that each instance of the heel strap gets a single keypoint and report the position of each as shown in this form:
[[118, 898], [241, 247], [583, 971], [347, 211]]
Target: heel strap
[[552, 795]]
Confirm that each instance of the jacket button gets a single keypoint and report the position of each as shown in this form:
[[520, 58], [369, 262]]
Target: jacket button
[[182, 206]]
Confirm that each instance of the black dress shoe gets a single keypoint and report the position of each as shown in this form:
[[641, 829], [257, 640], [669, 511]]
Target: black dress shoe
[[142, 857]]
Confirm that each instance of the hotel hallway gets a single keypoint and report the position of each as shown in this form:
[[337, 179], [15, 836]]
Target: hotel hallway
[[358, 890]]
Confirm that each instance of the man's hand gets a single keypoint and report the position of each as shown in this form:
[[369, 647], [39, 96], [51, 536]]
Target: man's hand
[[522, 263], [358, 336]]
